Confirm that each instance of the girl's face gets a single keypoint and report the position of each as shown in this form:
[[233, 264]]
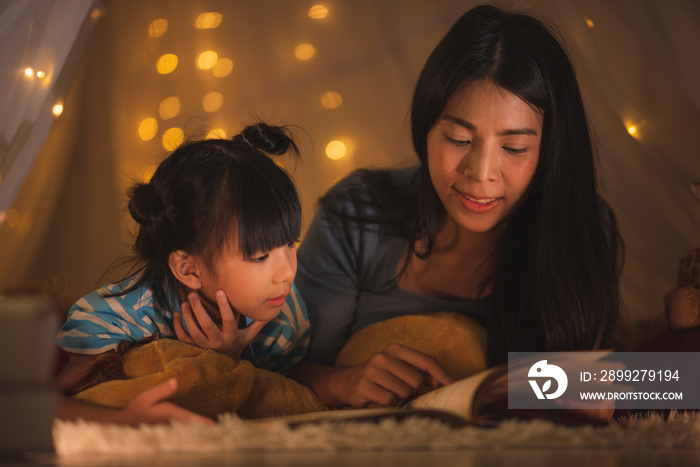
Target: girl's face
[[482, 154], [256, 287]]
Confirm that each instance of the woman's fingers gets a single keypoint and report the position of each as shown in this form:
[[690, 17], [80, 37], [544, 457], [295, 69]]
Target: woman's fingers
[[435, 372]]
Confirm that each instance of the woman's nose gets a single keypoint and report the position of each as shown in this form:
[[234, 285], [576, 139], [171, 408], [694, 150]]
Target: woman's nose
[[481, 163]]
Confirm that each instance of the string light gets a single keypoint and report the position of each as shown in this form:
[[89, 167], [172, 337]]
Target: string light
[[206, 60], [40, 74], [632, 130], [331, 100], [148, 128], [318, 12], [169, 108], [166, 64], [222, 68], [210, 20], [304, 52], [212, 102], [158, 27], [28, 72], [589, 23], [57, 110], [172, 138], [336, 150]]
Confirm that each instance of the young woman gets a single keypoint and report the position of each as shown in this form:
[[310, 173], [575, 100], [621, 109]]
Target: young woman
[[501, 221]]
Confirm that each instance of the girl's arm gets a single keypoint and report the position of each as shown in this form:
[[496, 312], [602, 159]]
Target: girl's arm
[[148, 407]]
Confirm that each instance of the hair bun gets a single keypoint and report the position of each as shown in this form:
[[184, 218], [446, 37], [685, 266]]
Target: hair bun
[[146, 205], [270, 139]]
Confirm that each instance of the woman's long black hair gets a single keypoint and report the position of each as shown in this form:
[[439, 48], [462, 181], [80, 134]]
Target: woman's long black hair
[[556, 283]]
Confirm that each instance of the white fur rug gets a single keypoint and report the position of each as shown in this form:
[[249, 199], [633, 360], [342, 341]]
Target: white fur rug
[[235, 435]]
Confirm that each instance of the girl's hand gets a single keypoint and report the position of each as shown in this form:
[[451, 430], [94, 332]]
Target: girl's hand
[[225, 338], [148, 407], [388, 378]]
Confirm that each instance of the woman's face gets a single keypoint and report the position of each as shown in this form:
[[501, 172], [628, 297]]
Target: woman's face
[[482, 154]]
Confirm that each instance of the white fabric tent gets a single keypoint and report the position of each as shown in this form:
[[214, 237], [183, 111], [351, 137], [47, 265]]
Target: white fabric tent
[[638, 63]]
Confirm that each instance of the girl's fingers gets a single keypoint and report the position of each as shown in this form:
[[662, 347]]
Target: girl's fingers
[[247, 334], [229, 319], [193, 325], [203, 319], [180, 331]]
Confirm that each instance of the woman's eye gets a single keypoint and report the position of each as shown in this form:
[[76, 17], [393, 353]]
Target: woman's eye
[[458, 142], [514, 150]]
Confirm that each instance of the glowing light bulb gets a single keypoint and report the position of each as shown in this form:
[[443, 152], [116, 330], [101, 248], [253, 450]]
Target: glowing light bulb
[[212, 102], [210, 20], [57, 110], [222, 68], [166, 64], [336, 150], [304, 52], [206, 60], [40, 74], [632, 130], [158, 27], [590, 23], [318, 12], [148, 129], [172, 138], [169, 108], [331, 100], [217, 133], [28, 72]]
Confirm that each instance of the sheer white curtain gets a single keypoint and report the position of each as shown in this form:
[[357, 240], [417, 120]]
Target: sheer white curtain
[[638, 63]]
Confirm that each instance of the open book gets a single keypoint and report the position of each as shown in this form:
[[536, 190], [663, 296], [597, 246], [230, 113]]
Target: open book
[[481, 399]]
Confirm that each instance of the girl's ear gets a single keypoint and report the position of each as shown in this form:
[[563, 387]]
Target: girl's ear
[[185, 268]]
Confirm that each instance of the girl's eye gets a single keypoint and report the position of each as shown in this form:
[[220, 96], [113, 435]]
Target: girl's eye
[[514, 150], [458, 142], [259, 259], [292, 244]]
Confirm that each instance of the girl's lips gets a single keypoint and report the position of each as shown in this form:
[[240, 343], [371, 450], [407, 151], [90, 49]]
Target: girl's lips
[[475, 204], [277, 301]]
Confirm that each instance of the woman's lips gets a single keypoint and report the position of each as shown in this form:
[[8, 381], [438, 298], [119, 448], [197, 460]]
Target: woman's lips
[[477, 204]]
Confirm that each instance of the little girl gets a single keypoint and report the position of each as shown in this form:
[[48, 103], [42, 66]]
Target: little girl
[[216, 260]]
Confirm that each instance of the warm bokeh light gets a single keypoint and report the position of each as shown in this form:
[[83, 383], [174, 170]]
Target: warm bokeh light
[[206, 60], [331, 100], [632, 130], [2, 217], [222, 68], [318, 12], [166, 64], [336, 150], [590, 23], [57, 110], [148, 129], [28, 72], [172, 138], [158, 27], [97, 13], [217, 133], [210, 20], [40, 74], [304, 51], [213, 101], [169, 108], [12, 218], [148, 174]]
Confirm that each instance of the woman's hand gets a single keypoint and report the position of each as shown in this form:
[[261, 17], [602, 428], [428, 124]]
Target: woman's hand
[[225, 338], [388, 378]]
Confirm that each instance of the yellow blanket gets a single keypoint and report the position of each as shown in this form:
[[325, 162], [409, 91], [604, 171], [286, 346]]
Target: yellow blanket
[[211, 383]]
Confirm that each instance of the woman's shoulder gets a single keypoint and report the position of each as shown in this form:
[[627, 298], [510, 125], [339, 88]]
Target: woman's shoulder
[[371, 191]]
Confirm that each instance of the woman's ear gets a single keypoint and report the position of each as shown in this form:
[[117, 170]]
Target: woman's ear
[[185, 268]]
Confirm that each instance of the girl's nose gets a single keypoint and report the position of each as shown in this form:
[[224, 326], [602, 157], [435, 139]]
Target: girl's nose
[[286, 265]]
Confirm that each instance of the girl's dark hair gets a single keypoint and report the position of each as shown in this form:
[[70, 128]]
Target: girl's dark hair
[[207, 193], [555, 284]]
